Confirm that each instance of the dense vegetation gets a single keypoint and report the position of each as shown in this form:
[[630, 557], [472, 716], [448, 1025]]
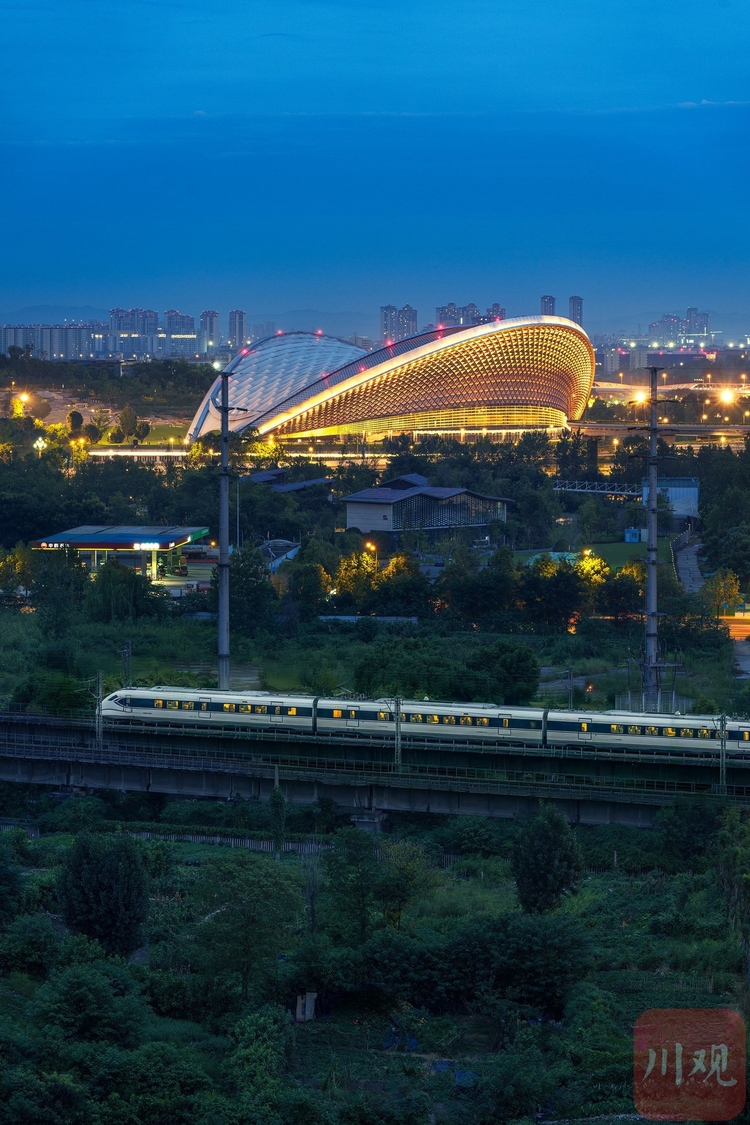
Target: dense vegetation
[[145, 983]]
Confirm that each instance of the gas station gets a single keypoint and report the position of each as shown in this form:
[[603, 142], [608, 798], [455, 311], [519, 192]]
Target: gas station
[[154, 551]]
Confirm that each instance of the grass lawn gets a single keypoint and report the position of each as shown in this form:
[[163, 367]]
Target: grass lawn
[[614, 554], [161, 432]]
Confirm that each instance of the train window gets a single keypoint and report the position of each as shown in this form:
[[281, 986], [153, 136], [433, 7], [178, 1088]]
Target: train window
[[277, 710], [449, 720], [188, 705], [652, 731], [337, 713], [465, 720], [433, 719], [291, 710], [230, 706], [703, 732], [245, 708], [483, 721], [534, 723], [415, 718], [669, 732], [158, 703], [173, 704], [205, 707], [403, 716], [261, 709], [584, 727], [616, 728], [686, 732], [634, 730], [746, 736], [384, 716]]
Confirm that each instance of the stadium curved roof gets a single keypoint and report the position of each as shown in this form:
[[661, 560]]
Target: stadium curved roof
[[529, 372]]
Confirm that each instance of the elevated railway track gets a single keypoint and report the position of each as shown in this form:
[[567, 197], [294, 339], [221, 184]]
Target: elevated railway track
[[593, 785]]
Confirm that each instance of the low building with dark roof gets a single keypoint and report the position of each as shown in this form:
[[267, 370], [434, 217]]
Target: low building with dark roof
[[409, 503]]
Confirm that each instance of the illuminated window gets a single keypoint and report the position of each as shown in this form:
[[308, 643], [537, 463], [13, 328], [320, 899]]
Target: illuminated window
[[261, 709], [158, 703], [449, 720], [230, 706], [188, 705], [634, 730], [205, 707], [465, 720], [415, 718], [617, 728], [245, 708], [352, 714], [277, 710], [337, 714], [746, 736], [291, 710], [504, 723], [433, 719], [484, 722], [686, 732], [384, 716], [403, 716], [652, 731], [669, 732], [584, 727], [173, 704], [703, 732]]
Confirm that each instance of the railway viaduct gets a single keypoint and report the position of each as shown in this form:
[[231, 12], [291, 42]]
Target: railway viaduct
[[592, 786]]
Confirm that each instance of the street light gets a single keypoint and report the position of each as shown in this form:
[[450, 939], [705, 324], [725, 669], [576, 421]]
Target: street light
[[373, 547], [40, 445]]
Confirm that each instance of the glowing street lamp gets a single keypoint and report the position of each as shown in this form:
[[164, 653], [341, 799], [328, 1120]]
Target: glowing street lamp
[[374, 548], [726, 397], [40, 445]]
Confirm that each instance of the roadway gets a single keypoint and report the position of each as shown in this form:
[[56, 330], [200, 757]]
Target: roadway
[[591, 786]]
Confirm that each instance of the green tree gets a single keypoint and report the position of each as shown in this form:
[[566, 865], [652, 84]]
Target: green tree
[[99, 1001], [511, 671], [721, 592], [277, 805], [546, 860], [59, 586], [74, 421], [250, 907], [733, 868], [92, 433], [142, 429], [351, 868], [103, 891], [10, 885], [119, 594], [254, 1067], [252, 598], [30, 945], [128, 421], [404, 873], [355, 578]]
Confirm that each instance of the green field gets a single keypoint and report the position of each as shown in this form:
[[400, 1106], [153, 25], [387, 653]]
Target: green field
[[614, 554]]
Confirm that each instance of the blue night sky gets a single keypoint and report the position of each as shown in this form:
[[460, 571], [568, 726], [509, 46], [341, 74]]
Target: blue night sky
[[329, 155]]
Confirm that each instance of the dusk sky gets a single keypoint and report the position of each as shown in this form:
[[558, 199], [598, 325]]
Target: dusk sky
[[279, 155]]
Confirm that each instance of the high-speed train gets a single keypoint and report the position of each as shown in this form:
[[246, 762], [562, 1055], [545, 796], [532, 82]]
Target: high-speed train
[[476, 723]]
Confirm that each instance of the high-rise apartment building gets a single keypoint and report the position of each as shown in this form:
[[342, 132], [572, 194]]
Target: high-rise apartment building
[[575, 309], [178, 336], [451, 315], [139, 322], [177, 323], [548, 305], [237, 329], [209, 333], [496, 312], [406, 323], [388, 323]]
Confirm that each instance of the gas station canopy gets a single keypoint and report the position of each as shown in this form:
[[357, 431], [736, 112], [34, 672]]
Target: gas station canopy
[[94, 538]]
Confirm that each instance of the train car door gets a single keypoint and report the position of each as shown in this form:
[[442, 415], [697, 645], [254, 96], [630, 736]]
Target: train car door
[[584, 730], [352, 717], [275, 710], [204, 707]]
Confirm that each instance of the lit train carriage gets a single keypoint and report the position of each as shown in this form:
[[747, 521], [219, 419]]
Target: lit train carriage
[[449, 722], [625, 730], [178, 706]]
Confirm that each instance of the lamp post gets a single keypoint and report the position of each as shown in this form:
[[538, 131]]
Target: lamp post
[[40, 445], [374, 548], [651, 668]]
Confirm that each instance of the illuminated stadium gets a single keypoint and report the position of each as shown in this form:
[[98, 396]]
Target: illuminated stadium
[[511, 375]]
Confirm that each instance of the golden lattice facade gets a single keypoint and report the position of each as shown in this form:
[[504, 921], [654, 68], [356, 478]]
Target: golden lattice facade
[[527, 373]]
